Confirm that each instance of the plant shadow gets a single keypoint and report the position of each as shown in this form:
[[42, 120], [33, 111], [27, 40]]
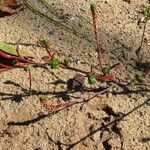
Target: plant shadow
[[59, 144], [145, 139], [64, 95]]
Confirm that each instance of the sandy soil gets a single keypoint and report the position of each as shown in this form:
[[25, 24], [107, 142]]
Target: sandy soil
[[26, 125]]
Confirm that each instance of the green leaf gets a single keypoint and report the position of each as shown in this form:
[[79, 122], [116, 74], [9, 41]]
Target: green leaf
[[67, 60], [147, 12], [105, 71], [139, 77], [26, 69], [132, 82], [55, 63], [11, 49], [46, 41], [92, 79], [93, 7]]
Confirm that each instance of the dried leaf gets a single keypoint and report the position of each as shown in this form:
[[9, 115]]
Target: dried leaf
[[77, 82], [8, 7]]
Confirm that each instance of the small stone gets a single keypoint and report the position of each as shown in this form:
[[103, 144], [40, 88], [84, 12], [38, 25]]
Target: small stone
[[109, 95], [77, 82], [91, 54], [96, 136], [147, 122], [142, 19], [105, 135]]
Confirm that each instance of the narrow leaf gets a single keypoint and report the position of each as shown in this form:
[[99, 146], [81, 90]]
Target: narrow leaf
[[11, 49]]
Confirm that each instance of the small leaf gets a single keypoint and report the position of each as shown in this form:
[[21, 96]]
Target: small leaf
[[147, 12], [139, 78], [26, 69], [55, 63], [92, 79], [132, 82], [46, 41], [67, 60], [93, 7], [105, 71], [11, 49]]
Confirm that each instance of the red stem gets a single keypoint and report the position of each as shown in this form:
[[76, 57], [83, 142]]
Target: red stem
[[21, 59], [74, 69], [30, 79], [98, 48], [99, 76], [115, 65], [7, 68]]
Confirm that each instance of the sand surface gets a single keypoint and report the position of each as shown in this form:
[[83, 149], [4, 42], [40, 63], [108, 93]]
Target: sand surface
[[26, 125]]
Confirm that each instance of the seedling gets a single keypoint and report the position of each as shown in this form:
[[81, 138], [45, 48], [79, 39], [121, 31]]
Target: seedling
[[55, 63], [105, 71], [12, 57], [92, 79], [140, 63]]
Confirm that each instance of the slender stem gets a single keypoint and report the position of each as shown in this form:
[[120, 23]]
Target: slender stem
[[48, 6], [74, 69], [57, 23], [114, 66], [6, 68], [98, 76], [142, 40], [98, 48], [30, 79]]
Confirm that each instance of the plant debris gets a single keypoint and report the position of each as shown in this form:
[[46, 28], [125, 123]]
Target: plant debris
[[9, 7]]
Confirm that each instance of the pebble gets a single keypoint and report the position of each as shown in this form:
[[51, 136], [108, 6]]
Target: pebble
[[147, 122], [96, 136]]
